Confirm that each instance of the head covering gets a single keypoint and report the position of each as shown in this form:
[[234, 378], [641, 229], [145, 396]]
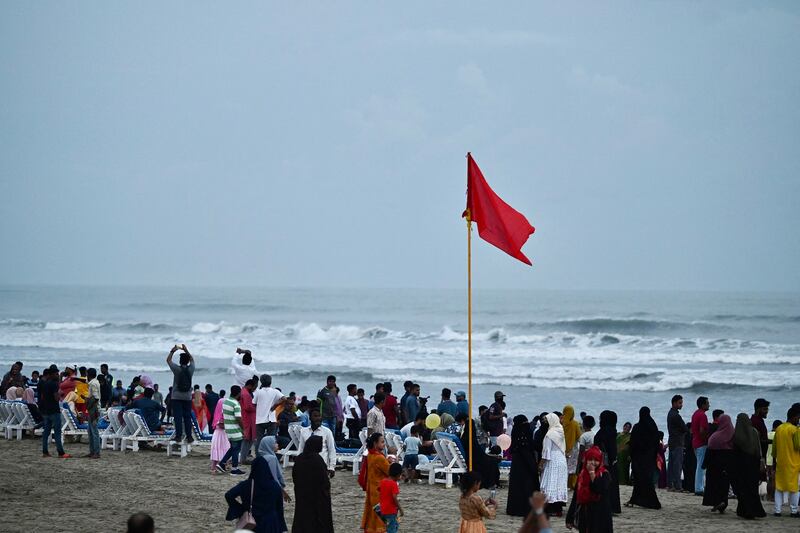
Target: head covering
[[313, 446], [572, 430], [146, 381], [644, 436], [445, 421], [28, 396], [606, 437], [521, 436], [267, 446], [266, 450], [13, 394], [262, 474], [722, 439], [583, 490], [745, 436], [555, 431], [217, 418], [461, 394]]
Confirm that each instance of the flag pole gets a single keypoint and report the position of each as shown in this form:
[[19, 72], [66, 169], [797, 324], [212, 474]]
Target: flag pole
[[469, 333]]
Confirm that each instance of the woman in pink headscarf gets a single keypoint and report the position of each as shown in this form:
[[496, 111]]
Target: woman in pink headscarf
[[200, 410], [219, 439], [718, 462]]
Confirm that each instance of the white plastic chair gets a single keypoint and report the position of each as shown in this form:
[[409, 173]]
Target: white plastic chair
[[141, 433], [23, 419]]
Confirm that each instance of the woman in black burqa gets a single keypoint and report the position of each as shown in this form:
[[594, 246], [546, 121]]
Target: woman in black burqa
[[747, 469], [523, 480], [606, 440], [644, 447], [266, 503], [489, 468], [312, 490]]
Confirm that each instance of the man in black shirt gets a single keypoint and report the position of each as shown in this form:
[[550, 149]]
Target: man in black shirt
[[676, 427], [51, 412]]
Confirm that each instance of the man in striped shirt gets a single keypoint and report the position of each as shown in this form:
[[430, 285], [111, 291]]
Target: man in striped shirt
[[232, 420]]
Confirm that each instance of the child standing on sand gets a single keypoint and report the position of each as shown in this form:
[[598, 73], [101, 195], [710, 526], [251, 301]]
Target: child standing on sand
[[389, 507], [411, 458], [472, 507]]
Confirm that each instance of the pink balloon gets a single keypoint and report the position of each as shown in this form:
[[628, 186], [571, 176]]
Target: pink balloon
[[504, 441]]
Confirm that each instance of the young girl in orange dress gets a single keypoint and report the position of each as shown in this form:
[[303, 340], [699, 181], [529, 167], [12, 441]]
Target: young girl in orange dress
[[473, 508], [374, 470]]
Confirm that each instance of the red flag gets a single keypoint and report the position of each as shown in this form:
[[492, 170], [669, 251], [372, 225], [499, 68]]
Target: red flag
[[498, 223]]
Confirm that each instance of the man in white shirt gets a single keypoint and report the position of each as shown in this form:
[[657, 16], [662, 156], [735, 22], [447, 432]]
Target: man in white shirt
[[242, 367], [266, 399], [376, 420], [93, 407], [328, 452], [352, 412]]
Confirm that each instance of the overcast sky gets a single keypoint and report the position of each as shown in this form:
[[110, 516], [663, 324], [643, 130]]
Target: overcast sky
[[653, 145]]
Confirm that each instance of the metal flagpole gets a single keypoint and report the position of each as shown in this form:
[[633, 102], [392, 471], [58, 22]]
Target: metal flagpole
[[469, 332]]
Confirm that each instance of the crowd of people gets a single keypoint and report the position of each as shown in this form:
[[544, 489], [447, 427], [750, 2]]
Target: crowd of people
[[560, 465]]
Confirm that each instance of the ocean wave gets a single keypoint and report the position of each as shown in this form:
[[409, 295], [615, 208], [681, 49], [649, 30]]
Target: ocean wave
[[224, 328], [74, 325], [630, 326], [81, 325]]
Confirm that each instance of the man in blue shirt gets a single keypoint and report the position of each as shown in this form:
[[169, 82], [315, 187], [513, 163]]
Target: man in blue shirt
[[411, 404], [150, 409], [447, 405], [462, 404]]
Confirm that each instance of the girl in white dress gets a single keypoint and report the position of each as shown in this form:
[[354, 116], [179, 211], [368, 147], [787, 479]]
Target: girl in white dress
[[554, 466]]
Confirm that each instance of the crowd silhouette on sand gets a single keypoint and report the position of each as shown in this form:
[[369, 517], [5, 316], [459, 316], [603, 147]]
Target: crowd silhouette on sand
[[560, 466]]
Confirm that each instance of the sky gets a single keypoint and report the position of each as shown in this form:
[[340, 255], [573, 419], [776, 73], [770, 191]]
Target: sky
[[653, 145]]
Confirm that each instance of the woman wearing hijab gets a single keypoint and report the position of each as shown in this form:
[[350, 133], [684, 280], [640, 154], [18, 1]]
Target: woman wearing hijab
[[487, 467], [523, 480], [747, 468], [266, 451], [538, 436], [554, 462], [590, 508], [644, 446], [200, 410], [606, 440], [312, 490], [718, 462], [445, 421], [572, 432], [374, 470], [624, 454], [266, 504]]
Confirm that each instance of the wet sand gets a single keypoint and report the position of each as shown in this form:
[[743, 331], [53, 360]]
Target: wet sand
[[81, 494]]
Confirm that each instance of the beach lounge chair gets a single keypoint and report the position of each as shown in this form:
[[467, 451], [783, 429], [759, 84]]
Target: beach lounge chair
[[429, 467], [7, 417], [451, 456], [141, 432], [111, 436], [293, 448], [71, 426], [359, 455], [200, 439], [22, 419]]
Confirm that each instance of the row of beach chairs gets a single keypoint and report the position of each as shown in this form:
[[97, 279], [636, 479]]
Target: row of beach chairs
[[131, 431]]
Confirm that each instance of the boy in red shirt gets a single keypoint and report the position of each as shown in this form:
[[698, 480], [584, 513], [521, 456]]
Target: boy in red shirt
[[389, 507]]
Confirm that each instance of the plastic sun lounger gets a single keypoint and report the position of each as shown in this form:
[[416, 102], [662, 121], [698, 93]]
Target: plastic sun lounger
[[292, 450], [200, 439], [71, 424], [141, 432], [23, 419], [115, 430], [6, 418]]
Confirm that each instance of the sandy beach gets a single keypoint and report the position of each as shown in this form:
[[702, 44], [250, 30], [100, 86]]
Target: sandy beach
[[98, 495]]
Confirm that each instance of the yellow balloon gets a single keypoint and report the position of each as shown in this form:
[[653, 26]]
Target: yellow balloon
[[433, 421]]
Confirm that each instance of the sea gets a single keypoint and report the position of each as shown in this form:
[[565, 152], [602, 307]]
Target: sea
[[596, 350]]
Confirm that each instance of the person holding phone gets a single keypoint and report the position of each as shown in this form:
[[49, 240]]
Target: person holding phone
[[181, 399]]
